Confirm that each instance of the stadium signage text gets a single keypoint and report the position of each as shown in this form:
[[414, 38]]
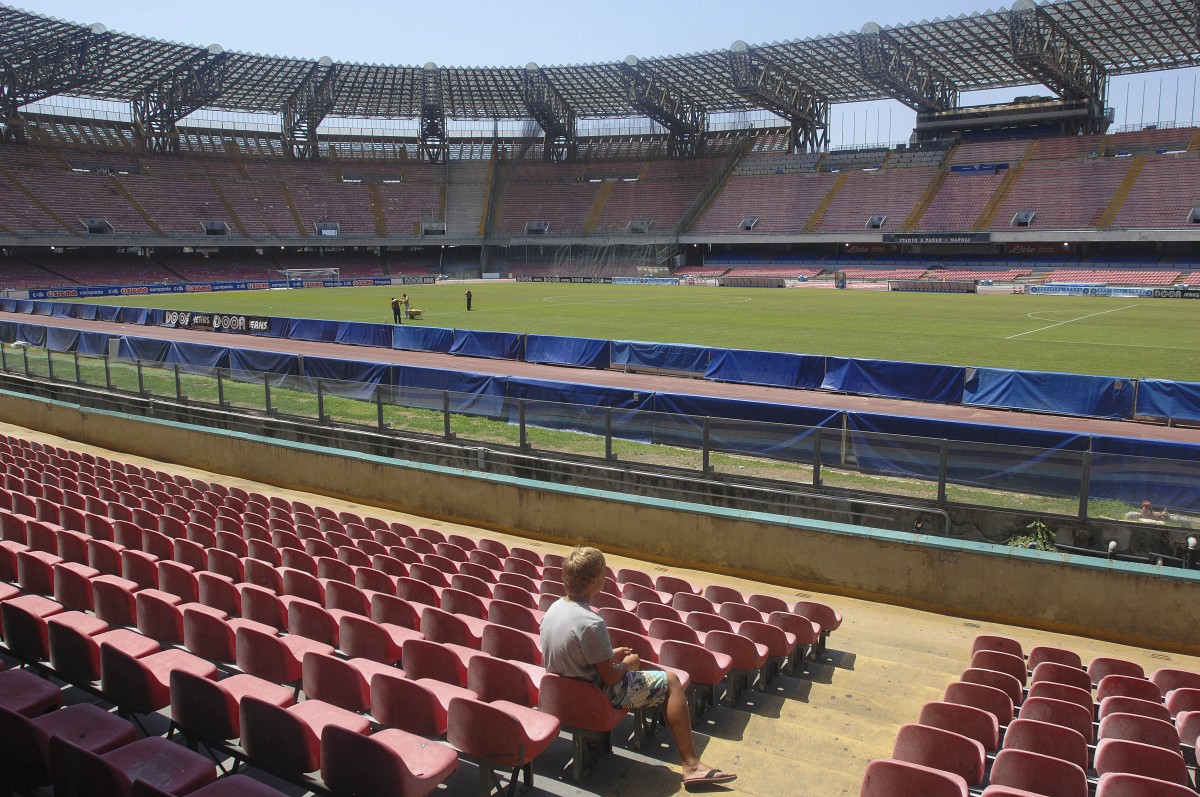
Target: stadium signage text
[[226, 322], [1090, 290], [95, 291], [575, 280], [937, 238], [1177, 293]]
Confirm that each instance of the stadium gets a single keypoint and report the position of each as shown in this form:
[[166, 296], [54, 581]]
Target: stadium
[[891, 449]]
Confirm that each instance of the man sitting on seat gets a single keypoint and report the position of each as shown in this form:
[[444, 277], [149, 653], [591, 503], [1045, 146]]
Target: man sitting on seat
[[575, 644]]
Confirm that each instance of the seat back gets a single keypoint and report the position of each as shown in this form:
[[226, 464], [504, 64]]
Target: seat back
[[1040, 774], [1132, 705], [1123, 784], [495, 679], [824, 615], [702, 665], [400, 702], [1062, 674], [1104, 665], [1135, 758], [203, 708], [1001, 643], [425, 659], [673, 629], [1138, 728], [76, 772], [989, 698], [277, 740], [484, 732], [890, 778], [512, 644], [578, 705], [974, 723], [1057, 691], [347, 598], [335, 681], [704, 622], [514, 616], [1043, 653], [441, 626], [1059, 712], [1183, 699], [125, 682], [23, 763], [1002, 681], [1000, 662], [940, 749], [1128, 686], [457, 601], [1046, 738], [1168, 679]]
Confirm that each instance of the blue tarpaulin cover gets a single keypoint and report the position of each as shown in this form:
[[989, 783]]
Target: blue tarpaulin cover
[[63, 310], [780, 369], [146, 349], [1158, 398], [359, 334], [917, 381], [108, 312], [135, 315], [664, 356], [8, 331], [493, 345], [349, 378], [1132, 471], [86, 312], [44, 308], [272, 362], [414, 338], [33, 334], [198, 357], [558, 350], [93, 343], [312, 329], [59, 339], [1071, 394]]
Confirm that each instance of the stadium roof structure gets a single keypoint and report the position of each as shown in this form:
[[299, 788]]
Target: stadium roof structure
[[973, 51]]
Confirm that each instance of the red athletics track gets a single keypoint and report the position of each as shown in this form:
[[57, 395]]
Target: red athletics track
[[639, 381]]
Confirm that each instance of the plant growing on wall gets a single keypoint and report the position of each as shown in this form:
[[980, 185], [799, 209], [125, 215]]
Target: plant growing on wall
[[1038, 536]]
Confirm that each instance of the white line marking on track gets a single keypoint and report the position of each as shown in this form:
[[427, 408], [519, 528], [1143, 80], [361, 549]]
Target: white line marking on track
[[1071, 320], [572, 300]]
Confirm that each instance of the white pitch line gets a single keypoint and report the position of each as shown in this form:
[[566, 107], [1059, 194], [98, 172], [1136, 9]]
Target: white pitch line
[[1071, 321]]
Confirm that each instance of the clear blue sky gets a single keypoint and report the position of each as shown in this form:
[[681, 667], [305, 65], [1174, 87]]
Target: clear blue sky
[[483, 33]]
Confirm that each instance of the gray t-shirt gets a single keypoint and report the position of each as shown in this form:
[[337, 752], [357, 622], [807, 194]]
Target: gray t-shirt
[[574, 638]]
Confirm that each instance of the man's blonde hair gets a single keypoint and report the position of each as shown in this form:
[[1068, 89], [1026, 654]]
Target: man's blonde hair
[[580, 568]]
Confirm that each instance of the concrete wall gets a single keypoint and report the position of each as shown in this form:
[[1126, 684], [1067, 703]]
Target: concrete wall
[[1133, 604]]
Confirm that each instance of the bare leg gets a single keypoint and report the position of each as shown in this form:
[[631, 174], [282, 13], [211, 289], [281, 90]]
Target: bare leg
[[679, 721]]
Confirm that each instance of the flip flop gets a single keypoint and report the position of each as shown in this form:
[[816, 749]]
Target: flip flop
[[710, 778]]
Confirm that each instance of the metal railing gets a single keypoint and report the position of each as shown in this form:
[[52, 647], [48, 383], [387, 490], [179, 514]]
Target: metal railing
[[928, 471]]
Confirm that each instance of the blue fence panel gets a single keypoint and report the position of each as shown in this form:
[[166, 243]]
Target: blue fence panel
[[8, 331], [480, 394], [915, 381], [197, 357], [778, 369], [1038, 461], [1070, 394], [44, 308], [145, 349], [8, 305], [559, 350], [63, 310], [135, 315], [59, 339], [272, 362], [494, 345], [86, 312], [23, 306], [360, 334], [1133, 470], [1159, 398], [356, 379], [94, 344], [33, 334], [742, 427], [414, 338], [312, 329], [108, 312], [664, 356]]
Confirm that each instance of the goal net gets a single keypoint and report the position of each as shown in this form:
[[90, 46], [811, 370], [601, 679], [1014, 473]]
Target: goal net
[[311, 273]]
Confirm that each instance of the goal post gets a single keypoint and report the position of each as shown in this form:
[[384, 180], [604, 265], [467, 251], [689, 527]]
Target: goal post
[[304, 274]]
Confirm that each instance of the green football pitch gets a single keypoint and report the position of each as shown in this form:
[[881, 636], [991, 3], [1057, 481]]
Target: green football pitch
[[1158, 338]]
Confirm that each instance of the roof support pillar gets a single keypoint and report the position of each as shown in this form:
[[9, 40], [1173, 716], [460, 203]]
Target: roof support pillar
[[28, 76], [306, 108], [778, 89], [902, 74], [434, 147], [685, 120], [158, 107], [551, 112]]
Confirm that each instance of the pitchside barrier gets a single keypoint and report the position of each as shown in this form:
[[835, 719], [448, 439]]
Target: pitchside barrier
[[932, 454], [1070, 394]]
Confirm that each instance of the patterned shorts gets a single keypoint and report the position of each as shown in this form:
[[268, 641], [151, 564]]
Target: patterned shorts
[[639, 689]]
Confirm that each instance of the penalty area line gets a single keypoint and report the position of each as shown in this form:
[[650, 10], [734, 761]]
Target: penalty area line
[[1071, 321]]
